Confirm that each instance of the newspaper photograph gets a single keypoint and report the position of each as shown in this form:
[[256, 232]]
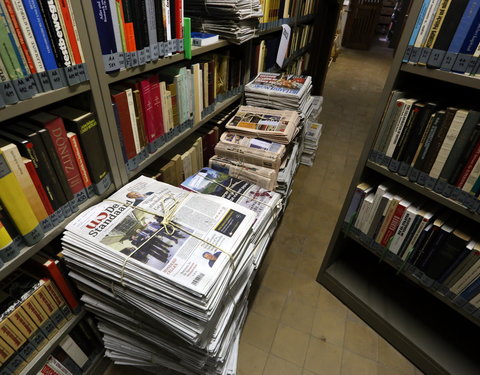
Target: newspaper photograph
[[191, 248], [280, 84]]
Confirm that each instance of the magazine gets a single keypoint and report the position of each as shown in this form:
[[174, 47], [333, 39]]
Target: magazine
[[279, 84]]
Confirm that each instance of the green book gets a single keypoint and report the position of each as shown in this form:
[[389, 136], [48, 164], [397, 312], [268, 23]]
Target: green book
[[187, 38], [7, 51]]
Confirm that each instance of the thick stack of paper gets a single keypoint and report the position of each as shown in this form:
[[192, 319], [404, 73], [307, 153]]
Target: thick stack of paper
[[167, 272], [273, 125], [263, 177], [312, 137], [281, 91], [235, 20], [266, 204]]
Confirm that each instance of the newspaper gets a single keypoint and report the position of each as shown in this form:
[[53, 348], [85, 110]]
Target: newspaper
[[130, 229], [279, 84], [274, 125], [263, 177], [312, 138], [251, 150]]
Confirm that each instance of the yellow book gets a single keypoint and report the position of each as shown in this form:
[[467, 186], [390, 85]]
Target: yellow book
[[14, 200], [5, 239]]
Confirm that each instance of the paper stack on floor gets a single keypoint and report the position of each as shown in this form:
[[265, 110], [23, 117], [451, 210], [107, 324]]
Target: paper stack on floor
[[312, 137], [281, 91], [167, 272], [235, 20]]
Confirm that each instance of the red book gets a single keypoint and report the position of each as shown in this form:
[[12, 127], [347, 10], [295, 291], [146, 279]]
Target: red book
[[81, 164], [120, 99], [157, 104], [469, 166], [21, 40], [147, 107], [60, 141], [395, 222], [179, 19], [38, 186], [72, 39]]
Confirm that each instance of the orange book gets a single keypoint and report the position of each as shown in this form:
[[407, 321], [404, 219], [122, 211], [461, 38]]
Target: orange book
[[72, 39], [127, 29]]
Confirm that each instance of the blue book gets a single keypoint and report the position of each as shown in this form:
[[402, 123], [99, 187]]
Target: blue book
[[472, 290], [415, 31], [40, 32], [103, 19], [469, 46], [463, 29]]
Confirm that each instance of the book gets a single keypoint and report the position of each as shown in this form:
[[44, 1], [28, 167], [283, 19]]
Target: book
[[79, 159], [203, 39]]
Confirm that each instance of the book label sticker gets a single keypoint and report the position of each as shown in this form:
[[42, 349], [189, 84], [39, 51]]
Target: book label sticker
[[154, 51], [103, 185], [21, 87], [134, 56], [46, 224], [111, 62], [71, 77], [55, 79]]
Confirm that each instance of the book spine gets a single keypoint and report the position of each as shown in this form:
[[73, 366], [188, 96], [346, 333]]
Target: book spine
[[128, 27], [28, 328], [139, 118], [167, 20], [58, 298], [433, 32], [148, 110], [7, 52], [468, 47], [399, 124], [119, 132], [159, 17], [469, 166], [62, 285], [80, 160], [75, 29], [121, 24], [179, 19], [121, 102], [152, 28], [422, 32], [164, 107], [49, 306], [38, 315], [17, 205], [133, 120], [472, 177], [116, 30], [393, 225], [106, 34], [74, 351], [69, 31]]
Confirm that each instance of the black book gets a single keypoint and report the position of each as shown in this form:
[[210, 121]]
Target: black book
[[37, 123], [85, 125], [462, 140], [430, 133], [442, 235], [51, 18], [418, 128], [407, 129], [465, 154], [142, 18], [135, 12], [447, 253], [38, 154], [60, 355], [418, 246], [446, 33], [429, 244], [437, 141], [173, 25], [82, 341], [159, 17]]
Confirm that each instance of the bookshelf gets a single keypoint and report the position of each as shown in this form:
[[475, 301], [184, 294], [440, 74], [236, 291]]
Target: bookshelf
[[97, 90], [422, 323]]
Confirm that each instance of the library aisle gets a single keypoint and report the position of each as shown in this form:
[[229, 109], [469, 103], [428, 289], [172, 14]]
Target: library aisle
[[295, 326]]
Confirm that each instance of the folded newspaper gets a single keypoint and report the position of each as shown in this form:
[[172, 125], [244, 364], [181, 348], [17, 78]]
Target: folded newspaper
[[274, 125], [167, 272], [251, 150], [263, 177], [312, 138]]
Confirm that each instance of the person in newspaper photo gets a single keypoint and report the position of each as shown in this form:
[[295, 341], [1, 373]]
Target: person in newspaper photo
[[211, 257], [138, 197]]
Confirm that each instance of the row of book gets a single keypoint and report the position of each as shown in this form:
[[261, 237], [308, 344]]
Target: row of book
[[188, 279], [152, 110], [265, 55], [298, 65], [41, 49], [274, 10], [133, 33], [433, 146], [432, 244], [32, 312], [445, 36], [51, 163]]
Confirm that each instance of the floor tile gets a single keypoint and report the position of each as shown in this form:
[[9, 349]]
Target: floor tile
[[390, 357], [323, 358], [269, 303], [279, 366], [290, 344], [329, 325], [255, 360], [278, 279], [298, 315], [353, 364], [259, 331], [327, 300], [304, 290], [361, 339]]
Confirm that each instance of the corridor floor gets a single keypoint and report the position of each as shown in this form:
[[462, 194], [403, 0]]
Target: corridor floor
[[295, 326]]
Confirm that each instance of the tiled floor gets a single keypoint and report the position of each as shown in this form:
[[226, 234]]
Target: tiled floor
[[295, 326]]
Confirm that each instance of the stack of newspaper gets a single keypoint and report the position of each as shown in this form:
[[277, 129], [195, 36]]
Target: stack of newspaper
[[312, 137], [167, 273], [273, 125], [235, 20], [266, 204], [281, 91]]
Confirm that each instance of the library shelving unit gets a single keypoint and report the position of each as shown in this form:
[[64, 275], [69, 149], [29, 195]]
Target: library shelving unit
[[426, 327], [97, 91]]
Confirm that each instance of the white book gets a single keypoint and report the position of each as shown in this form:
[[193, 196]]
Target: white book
[[468, 277], [116, 27], [57, 366], [448, 142], [168, 101], [205, 84], [187, 163], [379, 212], [28, 36], [163, 97], [367, 201], [166, 19], [381, 190], [403, 228], [133, 120], [400, 124], [197, 113], [73, 351], [74, 24]]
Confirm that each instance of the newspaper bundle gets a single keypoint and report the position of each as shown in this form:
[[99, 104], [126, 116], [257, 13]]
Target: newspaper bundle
[[266, 204], [281, 91], [312, 138], [235, 20], [166, 268], [273, 125], [251, 150], [263, 177]]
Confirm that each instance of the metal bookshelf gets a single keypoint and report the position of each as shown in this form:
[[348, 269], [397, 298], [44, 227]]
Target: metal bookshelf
[[424, 327]]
